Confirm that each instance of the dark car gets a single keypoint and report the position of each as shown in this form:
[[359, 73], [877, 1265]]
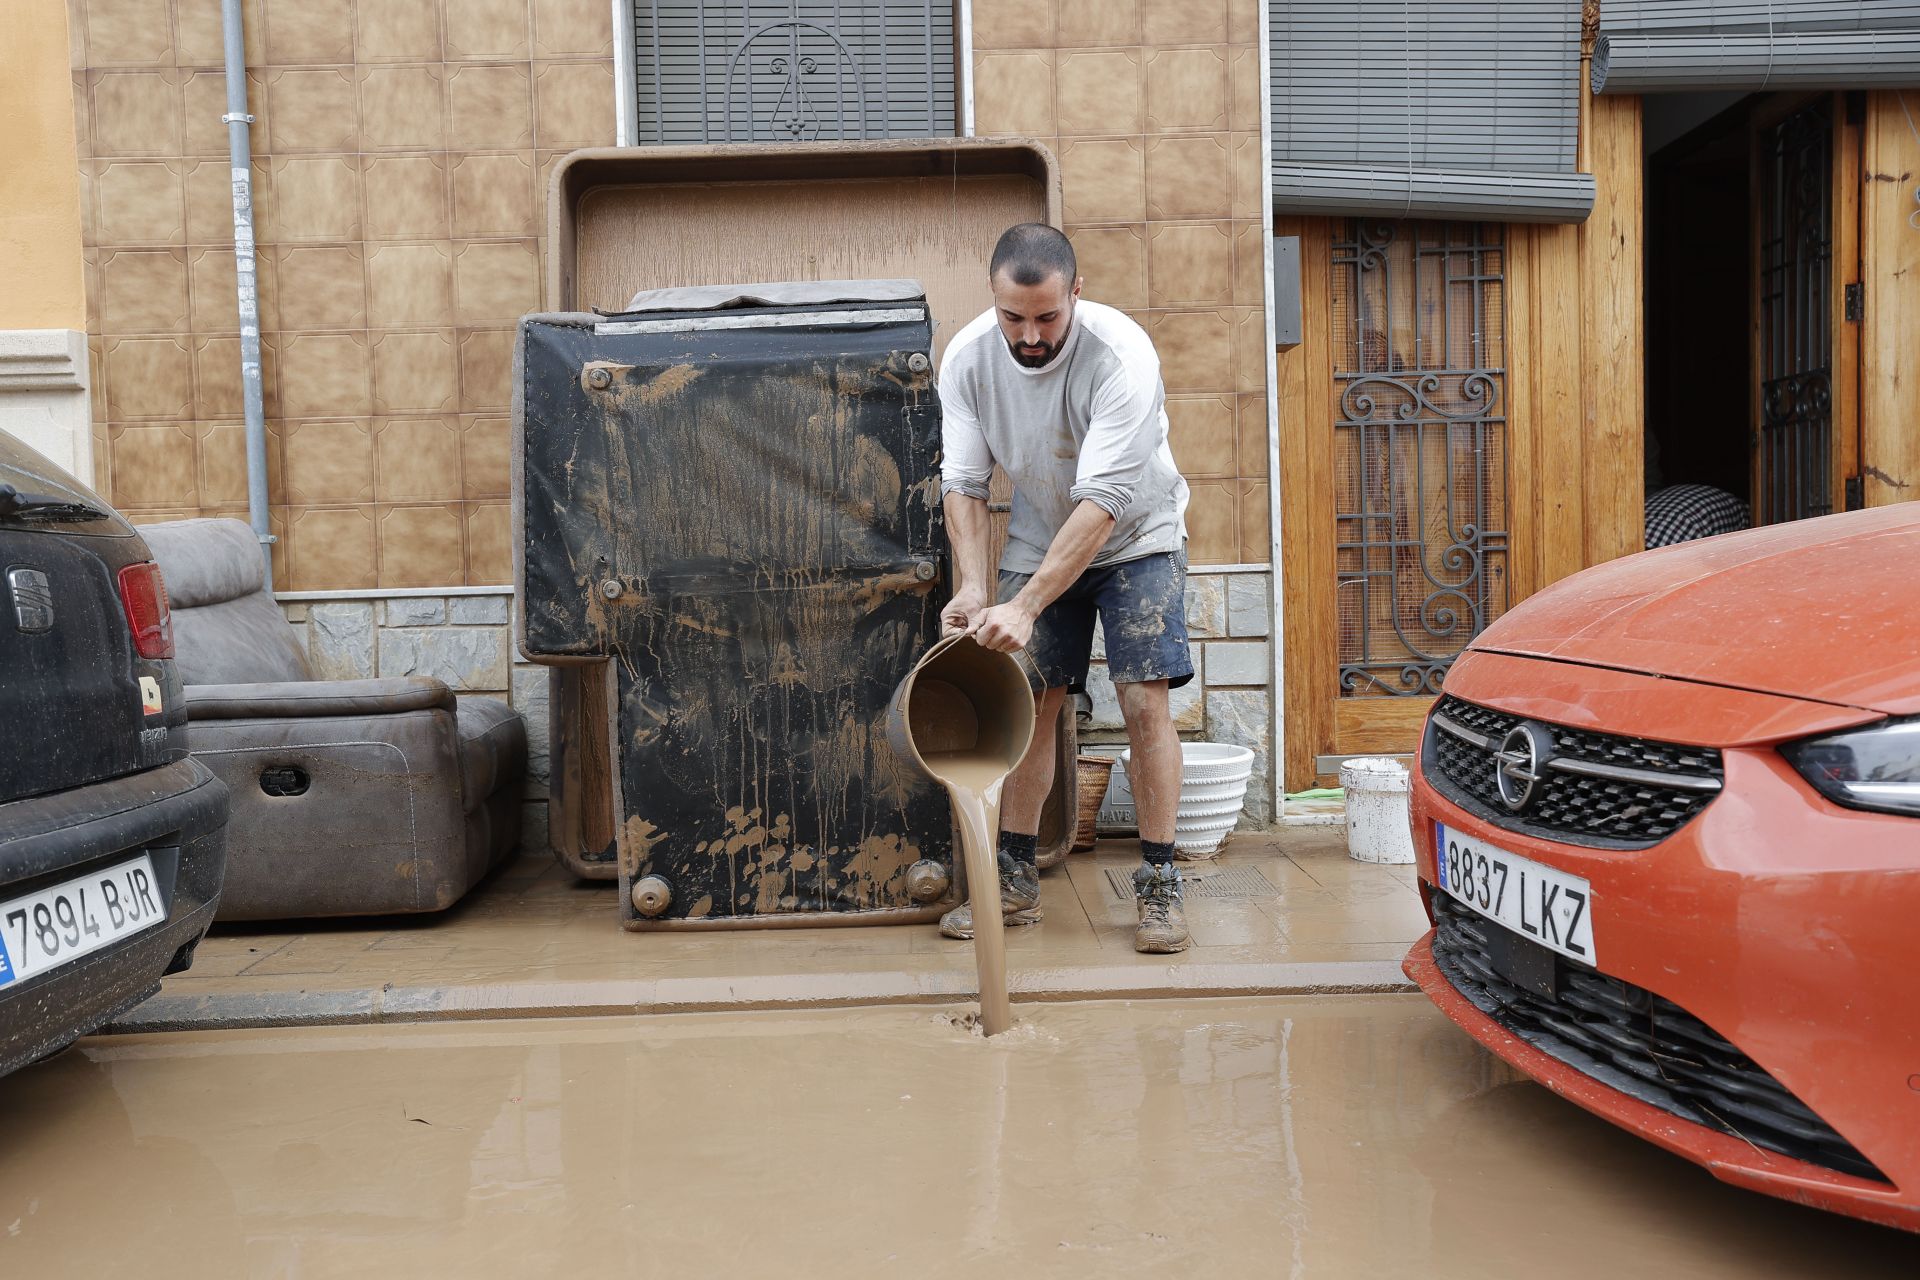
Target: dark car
[[112, 838]]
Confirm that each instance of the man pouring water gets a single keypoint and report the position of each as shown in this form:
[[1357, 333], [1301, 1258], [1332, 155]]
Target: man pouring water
[[1065, 395]]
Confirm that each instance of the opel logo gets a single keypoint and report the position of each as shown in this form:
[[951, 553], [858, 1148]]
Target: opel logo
[[1520, 763]]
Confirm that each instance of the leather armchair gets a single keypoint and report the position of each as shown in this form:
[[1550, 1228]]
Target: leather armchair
[[350, 797]]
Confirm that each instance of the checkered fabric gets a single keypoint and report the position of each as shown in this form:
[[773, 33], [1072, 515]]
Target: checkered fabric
[[1683, 512]]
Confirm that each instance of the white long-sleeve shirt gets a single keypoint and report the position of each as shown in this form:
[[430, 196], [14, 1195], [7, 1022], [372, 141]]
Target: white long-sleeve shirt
[[1089, 426]]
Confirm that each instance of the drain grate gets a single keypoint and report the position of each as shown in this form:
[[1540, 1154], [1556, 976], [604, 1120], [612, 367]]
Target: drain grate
[[1222, 882]]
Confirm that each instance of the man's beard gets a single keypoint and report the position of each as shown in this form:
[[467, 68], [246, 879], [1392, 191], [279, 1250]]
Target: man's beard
[[1048, 350]]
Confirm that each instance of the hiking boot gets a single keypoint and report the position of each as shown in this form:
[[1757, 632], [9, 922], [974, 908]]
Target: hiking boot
[[1019, 899], [1163, 923]]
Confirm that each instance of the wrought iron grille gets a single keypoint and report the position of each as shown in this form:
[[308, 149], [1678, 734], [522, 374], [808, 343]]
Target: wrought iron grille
[[711, 71], [1794, 471], [1420, 448]]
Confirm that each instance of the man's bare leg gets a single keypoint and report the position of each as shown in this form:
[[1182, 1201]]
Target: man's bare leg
[[1153, 771]]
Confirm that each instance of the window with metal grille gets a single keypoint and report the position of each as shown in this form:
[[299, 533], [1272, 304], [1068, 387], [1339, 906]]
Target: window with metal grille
[[709, 71], [1420, 448]]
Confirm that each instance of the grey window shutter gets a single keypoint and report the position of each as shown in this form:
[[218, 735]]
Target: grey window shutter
[[709, 71], [1665, 46], [1437, 108]]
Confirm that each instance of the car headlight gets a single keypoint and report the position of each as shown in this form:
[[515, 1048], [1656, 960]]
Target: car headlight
[[1876, 767]]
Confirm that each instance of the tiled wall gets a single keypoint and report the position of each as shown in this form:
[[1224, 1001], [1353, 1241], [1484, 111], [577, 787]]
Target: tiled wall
[[1153, 107], [400, 151]]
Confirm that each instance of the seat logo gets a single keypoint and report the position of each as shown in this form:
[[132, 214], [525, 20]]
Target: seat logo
[[1520, 763], [32, 599]]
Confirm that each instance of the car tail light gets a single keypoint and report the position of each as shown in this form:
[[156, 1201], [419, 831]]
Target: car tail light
[[143, 593]]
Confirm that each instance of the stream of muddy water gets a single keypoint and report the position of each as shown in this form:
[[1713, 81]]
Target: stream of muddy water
[[973, 780]]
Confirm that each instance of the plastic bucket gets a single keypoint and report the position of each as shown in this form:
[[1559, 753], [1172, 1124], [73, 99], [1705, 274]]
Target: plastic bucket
[[1213, 792], [1377, 824]]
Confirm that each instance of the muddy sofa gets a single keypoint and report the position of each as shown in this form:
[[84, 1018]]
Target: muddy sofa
[[350, 797]]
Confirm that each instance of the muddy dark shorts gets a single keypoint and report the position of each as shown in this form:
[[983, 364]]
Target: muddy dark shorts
[[1142, 606]]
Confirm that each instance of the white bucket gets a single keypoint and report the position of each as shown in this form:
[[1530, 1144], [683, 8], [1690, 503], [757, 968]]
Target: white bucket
[[1377, 824], [1213, 791]]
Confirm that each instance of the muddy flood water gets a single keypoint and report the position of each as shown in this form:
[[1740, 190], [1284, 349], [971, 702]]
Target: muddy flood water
[[1360, 1137]]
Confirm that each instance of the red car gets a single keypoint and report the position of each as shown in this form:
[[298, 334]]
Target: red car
[[1667, 814]]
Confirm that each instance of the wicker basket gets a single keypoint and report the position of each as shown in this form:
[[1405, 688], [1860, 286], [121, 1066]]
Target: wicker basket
[[1094, 773]]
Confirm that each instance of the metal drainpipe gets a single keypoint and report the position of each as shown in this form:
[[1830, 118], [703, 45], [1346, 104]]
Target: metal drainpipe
[[240, 148]]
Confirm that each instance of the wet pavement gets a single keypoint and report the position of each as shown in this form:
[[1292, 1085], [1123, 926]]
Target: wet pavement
[[1276, 914], [1343, 1137]]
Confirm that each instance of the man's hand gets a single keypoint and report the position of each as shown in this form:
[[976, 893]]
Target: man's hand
[[962, 612], [1005, 628]]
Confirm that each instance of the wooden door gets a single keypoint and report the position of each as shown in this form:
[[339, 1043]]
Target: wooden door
[[1397, 492], [1806, 306]]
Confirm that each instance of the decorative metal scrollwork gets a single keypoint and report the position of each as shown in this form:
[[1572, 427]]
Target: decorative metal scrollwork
[[1794, 437], [1420, 450]]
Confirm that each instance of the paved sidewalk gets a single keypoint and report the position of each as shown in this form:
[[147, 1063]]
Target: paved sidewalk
[[534, 942]]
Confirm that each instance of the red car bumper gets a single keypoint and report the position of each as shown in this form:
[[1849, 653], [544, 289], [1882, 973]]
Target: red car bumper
[[1785, 923]]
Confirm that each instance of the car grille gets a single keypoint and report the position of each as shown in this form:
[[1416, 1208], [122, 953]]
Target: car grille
[[1642, 1044], [1598, 790]]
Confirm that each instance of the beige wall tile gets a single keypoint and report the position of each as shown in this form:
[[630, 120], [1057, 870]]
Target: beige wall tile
[[126, 33], [415, 372], [199, 38], [216, 378], [1099, 93], [222, 459], [421, 546], [406, 197], [402, 108], [82, 115], [1249, 264], [1243, 21], [322, 374], [488, 30], [1196, 350], [1252, 357], [318, 197], [416, 459], [209, 186], [153, 466], [572, 27], [1191, 264], [312, 110], [304, 32], [1013, 93], [1188, 176], [1013, 24], [485, 471], [1183, 21], [397, 31], [1251, 428], [409, 285], [136, 113], [1249, 176], [328, 461], [1098, 22], [573, 104], [139, 202], [1201, 431], [1113, 262], [203, 97], [489, 544], [1103, 181], [1256, 528], [493, 195], [322, 286], [143, 291], [1213, 522], [1247, 97], [330, 548], [495, 281], [486, 369], [213, 293], [1186, 90], [97, 379], [490, 108]]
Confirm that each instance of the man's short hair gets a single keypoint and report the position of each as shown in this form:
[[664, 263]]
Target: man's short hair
[[1031, 252]]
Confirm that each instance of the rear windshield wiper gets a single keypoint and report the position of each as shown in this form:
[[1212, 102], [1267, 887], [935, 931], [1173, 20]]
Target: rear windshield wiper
[[15, 505]]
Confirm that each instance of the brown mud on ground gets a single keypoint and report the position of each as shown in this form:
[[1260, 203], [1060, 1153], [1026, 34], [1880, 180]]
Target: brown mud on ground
[[1357, 1137]]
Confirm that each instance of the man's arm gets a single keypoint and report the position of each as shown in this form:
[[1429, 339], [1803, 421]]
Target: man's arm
[[967, 524], [1009, 627]]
